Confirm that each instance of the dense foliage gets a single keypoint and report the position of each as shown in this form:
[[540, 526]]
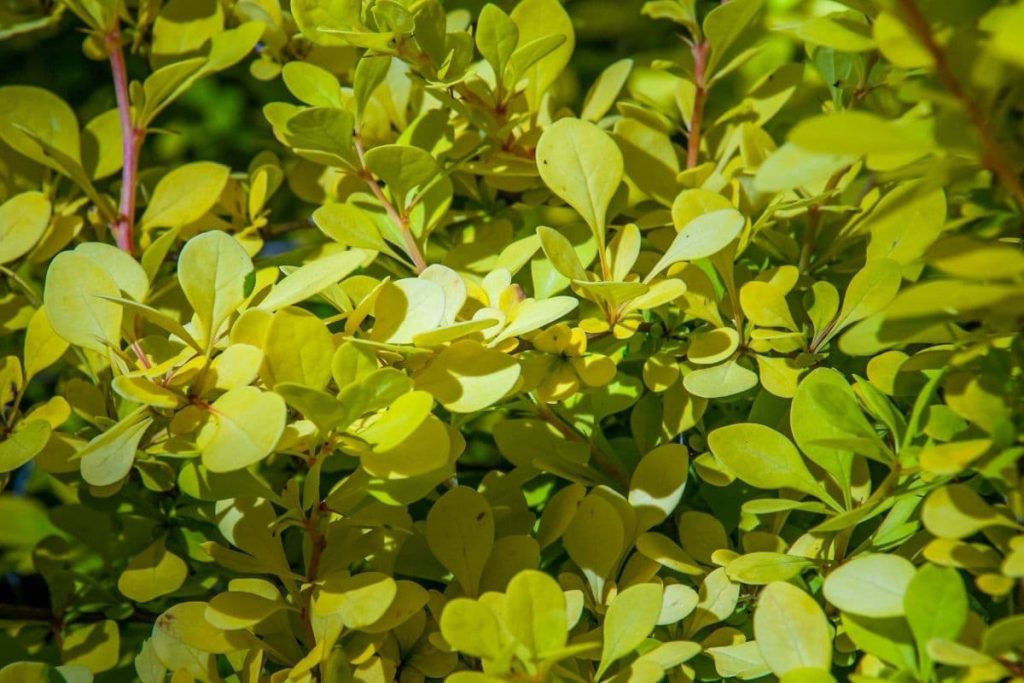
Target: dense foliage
[[712, 370]]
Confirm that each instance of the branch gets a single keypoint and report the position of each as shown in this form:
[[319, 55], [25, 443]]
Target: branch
[[27, 613], [400, 221], [992, 154], [545, 413], [317, 546], [123, 226], [700, 97], [814, 220]]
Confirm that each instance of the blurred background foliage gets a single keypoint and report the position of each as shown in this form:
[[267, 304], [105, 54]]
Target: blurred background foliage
[[221, 117]]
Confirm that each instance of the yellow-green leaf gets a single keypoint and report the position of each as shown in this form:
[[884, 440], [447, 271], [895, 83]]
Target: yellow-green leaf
[[460, 533], [245, 425], [108, 458], [630, 619], [870, 585], [791, 630], [467, 376], [763, 457], [701, 237], [23, 219], [581, 164], [73, 297], [359, 600], [184, 195], [153, 573], [212, 270], [43, 347]]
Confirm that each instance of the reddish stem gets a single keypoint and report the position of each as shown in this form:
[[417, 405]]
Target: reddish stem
[[700, 64], [123, 226]]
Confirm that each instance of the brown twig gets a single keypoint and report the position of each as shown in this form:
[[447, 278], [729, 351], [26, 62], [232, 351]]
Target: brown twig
[[123, 226], [992, 154]]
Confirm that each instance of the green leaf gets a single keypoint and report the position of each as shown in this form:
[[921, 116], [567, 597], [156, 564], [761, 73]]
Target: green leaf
[[535, 612], [313, 84], [841, 31], [31, 113], [184, 195], [359, 601], [245, 424], [153, 573], [889, 639], [825, 407], [351, 226], [212, 270], [605, 90], [312, 279], [581, 164], [791, 630], [543, 21], [870, 291], [23, 220], [957, 511], [726, 379], [761, 568], [854, 132], [23, 444], [405, 170], [496, 38], [657, 484], [905, 222], [701, 237], [309, 363], [764, 458], [630, 619], [75, 304], [460, 533], [26, 522], [872, 585], [237, 610], [108, 458], [935, 604], [594, 540], [186, 624], [723, 26], [472, 628], [791, 166], [43, 347], [467, 376], [561, 253], [96, 646]]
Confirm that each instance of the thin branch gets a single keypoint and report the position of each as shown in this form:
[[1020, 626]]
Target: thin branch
[[123, 226], [814, 220], [992, 154], [317, 546], [401, 221], [549, 416], [700, 63]]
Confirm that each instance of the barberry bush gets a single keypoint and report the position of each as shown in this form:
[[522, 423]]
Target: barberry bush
[[706, 365]]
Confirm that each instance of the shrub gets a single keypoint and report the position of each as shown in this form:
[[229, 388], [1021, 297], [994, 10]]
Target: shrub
[[716, 375]]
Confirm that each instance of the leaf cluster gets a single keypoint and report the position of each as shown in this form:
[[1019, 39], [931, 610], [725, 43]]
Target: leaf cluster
[[717, 375]]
